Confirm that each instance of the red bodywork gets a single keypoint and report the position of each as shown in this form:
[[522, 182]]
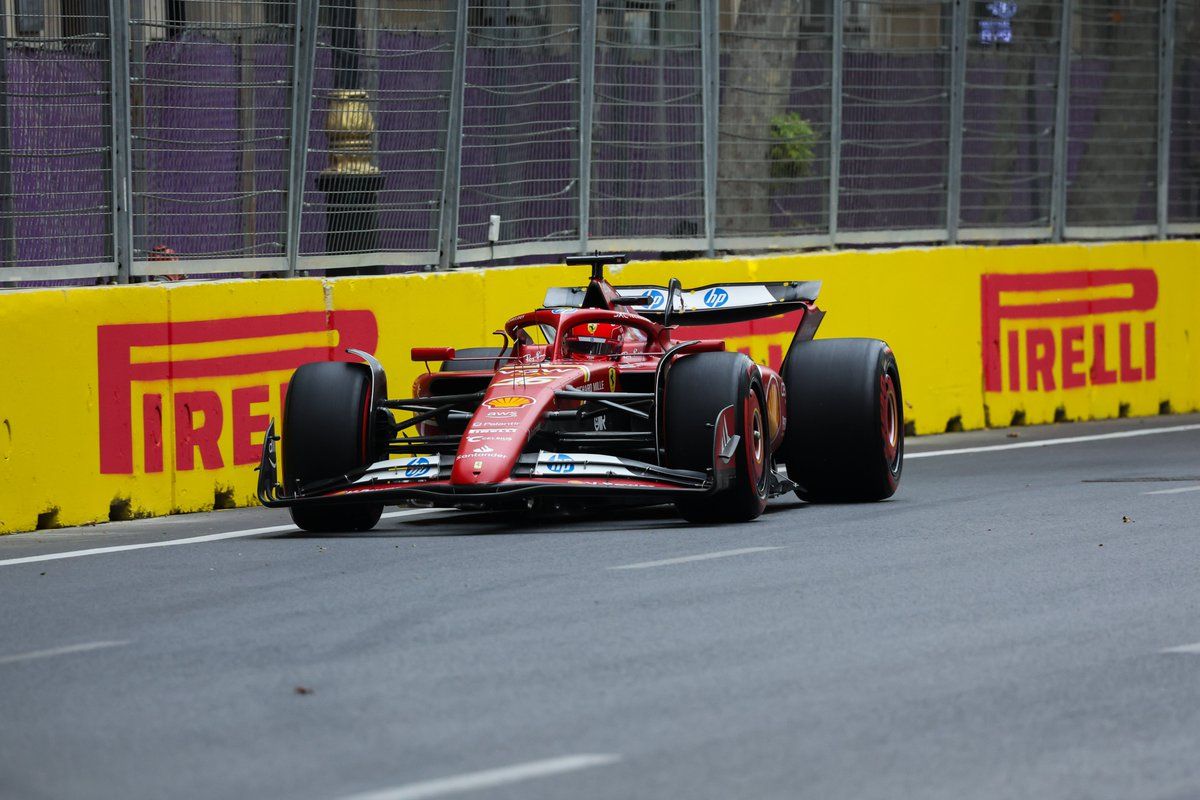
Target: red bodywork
[[523, 390], [502, 449]]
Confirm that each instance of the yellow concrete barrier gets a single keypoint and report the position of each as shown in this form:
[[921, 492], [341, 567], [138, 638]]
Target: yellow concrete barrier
[[152, 399]]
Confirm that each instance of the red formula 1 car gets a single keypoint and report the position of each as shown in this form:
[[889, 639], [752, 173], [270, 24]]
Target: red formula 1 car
[[599, 397]]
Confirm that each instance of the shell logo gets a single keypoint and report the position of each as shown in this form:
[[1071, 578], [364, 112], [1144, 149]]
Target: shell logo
[[512, 401]]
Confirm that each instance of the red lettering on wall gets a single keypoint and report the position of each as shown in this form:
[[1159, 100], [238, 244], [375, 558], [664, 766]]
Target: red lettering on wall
[[246, 425], [1130, 290], [152, 433], [1099, 374], [1129, 373], [769, 326], [1014, 361], [119, 369], [1151, 352], [1039, 356], [188, 437], [1072, 358]]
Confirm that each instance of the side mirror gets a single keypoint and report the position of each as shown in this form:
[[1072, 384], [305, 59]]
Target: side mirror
[[432, 353]]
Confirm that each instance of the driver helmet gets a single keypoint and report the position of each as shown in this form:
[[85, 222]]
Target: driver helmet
[[593, 339]]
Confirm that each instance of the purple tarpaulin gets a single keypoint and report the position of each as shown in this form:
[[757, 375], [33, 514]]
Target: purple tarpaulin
[[187, 187], [413, 105], [648, 168], [61, 201], [1185, 143], [1008, 141], [520, 148], [895, 120], [519, 154]]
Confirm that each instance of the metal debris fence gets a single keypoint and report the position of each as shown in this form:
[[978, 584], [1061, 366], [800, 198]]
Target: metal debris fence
[[147, 138]]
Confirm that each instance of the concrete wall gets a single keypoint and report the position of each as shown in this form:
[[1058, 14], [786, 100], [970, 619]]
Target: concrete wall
[[152, 399]]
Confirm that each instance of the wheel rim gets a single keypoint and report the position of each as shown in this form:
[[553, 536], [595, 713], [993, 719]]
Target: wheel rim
[[756, 435], [755, 444], [889, 418]]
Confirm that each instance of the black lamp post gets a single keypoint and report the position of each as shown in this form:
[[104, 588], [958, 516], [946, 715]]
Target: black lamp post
[[351, 182]]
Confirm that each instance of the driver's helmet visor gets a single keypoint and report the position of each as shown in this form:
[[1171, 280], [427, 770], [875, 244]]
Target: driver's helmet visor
[[590, 345]]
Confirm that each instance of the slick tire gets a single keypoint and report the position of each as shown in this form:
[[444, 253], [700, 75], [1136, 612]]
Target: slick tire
[[698, 388], [325, 435], [845, 420]]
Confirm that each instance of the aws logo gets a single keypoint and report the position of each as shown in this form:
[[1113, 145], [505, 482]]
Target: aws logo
[[1069, 329]]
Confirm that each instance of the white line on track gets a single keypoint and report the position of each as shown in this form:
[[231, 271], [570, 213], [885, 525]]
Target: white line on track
[[1175, 491], [1097, 437], [489, 778], [1193, 649], [216, 537], [210, 537], [701, 557], [59, 651]]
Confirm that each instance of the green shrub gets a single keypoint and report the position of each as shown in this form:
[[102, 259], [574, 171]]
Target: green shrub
[[792, 141]]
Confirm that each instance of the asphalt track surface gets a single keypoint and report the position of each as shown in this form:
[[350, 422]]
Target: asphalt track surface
[[998, 630]]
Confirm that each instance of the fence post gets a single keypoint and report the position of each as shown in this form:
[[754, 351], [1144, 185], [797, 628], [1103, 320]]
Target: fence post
[[587, 99], [122, 179], [138, 200], [1058, 180], [710, 69], [370, 75], [303, 67], [1166, 77], [958, 79], [835, 118], [8, 223], [452, 168]]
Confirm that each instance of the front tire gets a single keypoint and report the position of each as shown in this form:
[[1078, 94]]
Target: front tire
[[698, 388], [326, 434], [845, 429]]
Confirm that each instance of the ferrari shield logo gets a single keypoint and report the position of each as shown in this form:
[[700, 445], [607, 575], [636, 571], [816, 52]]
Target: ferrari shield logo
[[592, 327]]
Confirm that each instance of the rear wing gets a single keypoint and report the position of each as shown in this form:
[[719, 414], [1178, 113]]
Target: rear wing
[[714, 304]]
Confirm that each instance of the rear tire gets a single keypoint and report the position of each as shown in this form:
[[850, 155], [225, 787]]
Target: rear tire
[[845, 428], [698, 388], [325, 434]]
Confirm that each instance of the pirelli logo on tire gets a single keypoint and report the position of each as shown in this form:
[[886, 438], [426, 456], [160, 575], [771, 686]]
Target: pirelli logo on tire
[[1053, 331], [199, 394]]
